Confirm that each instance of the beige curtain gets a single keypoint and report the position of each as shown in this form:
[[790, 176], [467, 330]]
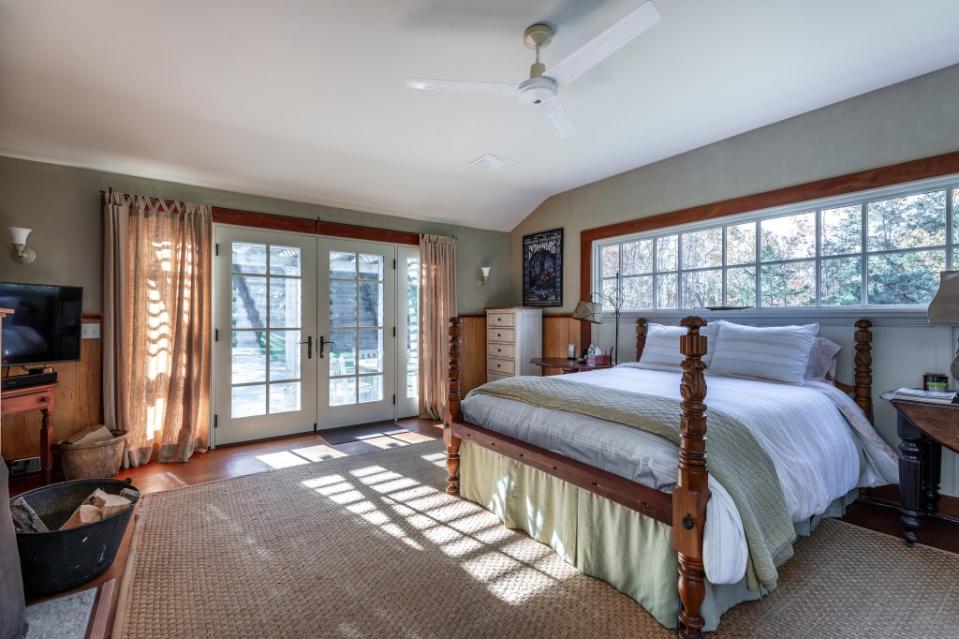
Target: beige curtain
[[156, 325], [437, 306]]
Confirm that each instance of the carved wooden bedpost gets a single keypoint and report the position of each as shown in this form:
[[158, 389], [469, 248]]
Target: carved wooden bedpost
[[641, 328], [453, 413], [863, 384], [691, 492]]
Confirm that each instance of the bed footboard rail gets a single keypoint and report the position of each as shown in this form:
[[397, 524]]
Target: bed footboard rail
[[691, 492]]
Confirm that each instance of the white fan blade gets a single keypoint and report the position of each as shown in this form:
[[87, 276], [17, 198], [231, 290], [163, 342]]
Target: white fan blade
[[555, 115], [458, 86], [604, 45]]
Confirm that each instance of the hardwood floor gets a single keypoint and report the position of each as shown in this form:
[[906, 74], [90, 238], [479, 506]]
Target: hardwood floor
[[244, 459]]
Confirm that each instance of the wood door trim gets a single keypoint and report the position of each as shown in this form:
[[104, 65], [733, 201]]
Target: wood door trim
[[903, 172], [312, 227]]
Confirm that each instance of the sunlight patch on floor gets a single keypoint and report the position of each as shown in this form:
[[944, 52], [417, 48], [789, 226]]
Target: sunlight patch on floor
[[320, 452], [282, 459]]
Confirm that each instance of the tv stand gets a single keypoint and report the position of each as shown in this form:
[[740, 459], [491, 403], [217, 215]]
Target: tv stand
[[26, 400]]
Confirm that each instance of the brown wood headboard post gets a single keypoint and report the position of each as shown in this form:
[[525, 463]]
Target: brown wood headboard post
[[692, 491], [453, 412], [863, 384], [641, 328]]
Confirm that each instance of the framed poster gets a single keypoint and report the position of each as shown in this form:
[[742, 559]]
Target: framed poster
[[543, 268]]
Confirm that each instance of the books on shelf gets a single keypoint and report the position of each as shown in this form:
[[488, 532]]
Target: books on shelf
[[932, 397]]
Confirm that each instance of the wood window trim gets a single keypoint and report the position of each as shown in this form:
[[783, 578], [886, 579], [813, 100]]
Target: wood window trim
[[923, 168], [312, 227]]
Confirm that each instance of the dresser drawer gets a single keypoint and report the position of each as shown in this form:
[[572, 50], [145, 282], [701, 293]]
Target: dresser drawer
[[500, 319], [501, 335], [492, 377], [500, 366], [500, 351]]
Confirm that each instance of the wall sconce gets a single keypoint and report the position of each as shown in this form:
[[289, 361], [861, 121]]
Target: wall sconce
[[20, 253], [484, 272]]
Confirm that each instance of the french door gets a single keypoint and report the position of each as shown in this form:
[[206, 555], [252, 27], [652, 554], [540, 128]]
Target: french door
[[311, 333]]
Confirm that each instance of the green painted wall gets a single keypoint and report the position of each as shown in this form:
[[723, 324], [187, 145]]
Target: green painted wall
[[62, 206]]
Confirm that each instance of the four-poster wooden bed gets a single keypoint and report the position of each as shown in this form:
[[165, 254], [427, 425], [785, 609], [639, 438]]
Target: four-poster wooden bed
[[684, 509]]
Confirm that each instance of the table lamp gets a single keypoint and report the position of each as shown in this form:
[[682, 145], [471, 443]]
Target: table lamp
[[944, 307]]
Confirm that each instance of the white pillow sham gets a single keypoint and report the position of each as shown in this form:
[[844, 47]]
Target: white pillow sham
[[777, 353], [662, 346], [823, 359]]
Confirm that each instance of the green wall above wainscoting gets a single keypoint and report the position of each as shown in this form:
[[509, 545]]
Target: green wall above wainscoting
[[62, 206]]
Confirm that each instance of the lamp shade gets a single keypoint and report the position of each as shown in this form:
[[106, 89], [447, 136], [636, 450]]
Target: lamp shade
[[586, 311], [18, 234], [944, 307]]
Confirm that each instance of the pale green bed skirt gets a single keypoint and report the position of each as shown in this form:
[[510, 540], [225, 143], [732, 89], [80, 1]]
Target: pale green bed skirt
[[601, 538]]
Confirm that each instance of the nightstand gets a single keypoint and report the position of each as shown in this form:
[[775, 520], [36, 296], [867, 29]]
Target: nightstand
[[923, 430]]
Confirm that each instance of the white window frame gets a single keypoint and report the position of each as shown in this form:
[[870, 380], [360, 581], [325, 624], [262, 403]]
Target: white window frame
[[908, 313]]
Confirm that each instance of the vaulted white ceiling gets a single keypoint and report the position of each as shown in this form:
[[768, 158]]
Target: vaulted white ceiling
[[306, 99]]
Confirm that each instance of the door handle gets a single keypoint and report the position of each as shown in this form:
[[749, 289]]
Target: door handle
[[309, 347], [323, 343]]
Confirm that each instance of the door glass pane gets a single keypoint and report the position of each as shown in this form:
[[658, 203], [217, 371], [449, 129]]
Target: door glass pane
[[667, 250], [248, 401], [703, 248], [249, 258], [371, 267], [638, 292], [412, 326], [638, 257], [841, 281], [285, 260], [371, 304], [249, 301], [342, 353], [841, 230], [342, 391], [702, 288], [741, 286], [741, 244], [907, 222], [905, 278], [284, 398], [342, 265], [371, 351], [342, 303], [791, 284], [787, 238], [667, 288], [609, 256], [248, 357], [284, 302], [284, 355], [371, 388]]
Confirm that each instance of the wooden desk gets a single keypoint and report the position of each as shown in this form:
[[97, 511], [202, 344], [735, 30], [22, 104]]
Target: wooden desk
[[566, 365], [923, 430], [27, 400]]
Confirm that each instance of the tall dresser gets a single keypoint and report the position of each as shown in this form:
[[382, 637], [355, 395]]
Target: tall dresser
[[514, 335]]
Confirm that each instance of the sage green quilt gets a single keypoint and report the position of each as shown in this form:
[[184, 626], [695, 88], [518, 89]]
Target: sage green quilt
[[734, 457]]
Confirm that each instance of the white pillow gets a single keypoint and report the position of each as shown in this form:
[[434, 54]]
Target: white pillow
[[823, 358], [778, 353], [662, 345]]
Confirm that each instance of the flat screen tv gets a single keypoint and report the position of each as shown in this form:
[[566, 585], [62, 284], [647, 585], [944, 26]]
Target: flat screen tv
[[45, 325]]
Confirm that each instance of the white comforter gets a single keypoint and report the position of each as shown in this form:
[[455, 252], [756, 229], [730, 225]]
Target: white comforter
[[815, 450]]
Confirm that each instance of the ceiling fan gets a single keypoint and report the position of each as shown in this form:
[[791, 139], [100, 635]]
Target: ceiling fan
[[541, 90]]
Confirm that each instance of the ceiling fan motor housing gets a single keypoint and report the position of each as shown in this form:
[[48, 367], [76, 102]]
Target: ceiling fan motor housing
[[537, 91]]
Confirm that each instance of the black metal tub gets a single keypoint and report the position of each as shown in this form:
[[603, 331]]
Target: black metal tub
[[63, 559]]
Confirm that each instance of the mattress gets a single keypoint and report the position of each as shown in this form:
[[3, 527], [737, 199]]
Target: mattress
[[820, 444]]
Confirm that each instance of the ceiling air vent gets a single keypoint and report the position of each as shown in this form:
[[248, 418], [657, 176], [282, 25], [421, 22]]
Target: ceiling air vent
[[491, 162]]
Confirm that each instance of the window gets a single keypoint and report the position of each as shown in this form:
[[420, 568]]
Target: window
[[881, 248]]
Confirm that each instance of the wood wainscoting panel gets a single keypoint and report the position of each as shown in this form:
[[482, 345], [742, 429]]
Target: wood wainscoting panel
[[78, 404], [559, 331], [473, 350]]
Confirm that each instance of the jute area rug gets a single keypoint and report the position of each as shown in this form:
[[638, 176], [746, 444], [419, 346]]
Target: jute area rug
[[371, 546]]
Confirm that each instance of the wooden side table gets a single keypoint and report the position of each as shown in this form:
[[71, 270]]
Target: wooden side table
[[566, 365], [27, 400], [923, 430]]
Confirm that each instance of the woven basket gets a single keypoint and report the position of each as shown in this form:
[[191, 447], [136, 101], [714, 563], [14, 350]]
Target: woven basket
[[98, 460]]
